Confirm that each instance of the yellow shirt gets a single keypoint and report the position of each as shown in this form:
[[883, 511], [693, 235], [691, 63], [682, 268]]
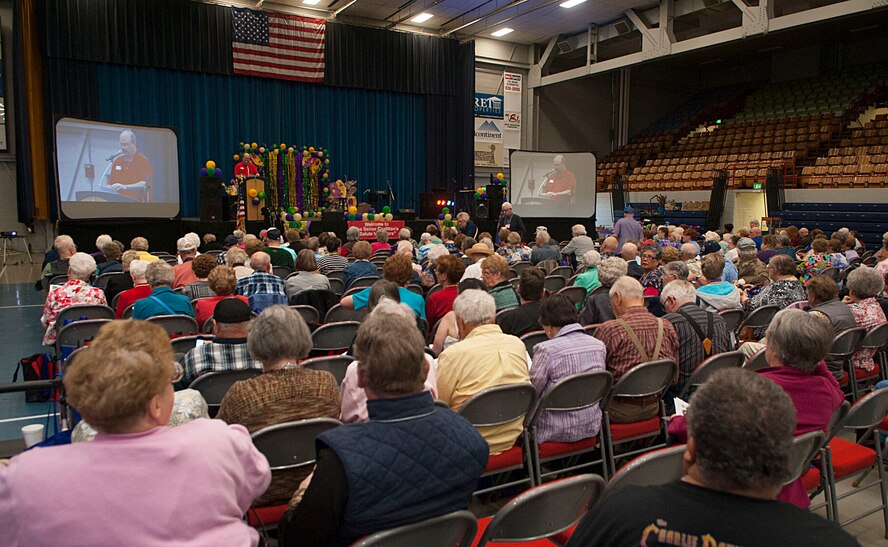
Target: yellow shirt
[[486, 358], [147, 257]]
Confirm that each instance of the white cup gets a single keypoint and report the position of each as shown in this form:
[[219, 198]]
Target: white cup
[[33, 434]]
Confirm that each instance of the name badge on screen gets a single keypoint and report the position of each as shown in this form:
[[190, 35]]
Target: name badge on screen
[[118, 168]]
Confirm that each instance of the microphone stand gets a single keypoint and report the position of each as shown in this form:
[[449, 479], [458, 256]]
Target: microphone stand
[[391, 195]]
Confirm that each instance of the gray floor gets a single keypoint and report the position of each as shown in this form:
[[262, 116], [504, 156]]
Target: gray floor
[[21, 334]]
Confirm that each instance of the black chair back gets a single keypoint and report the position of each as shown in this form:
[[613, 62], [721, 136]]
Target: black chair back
[[214, 385], [499, 405], [335, 365]]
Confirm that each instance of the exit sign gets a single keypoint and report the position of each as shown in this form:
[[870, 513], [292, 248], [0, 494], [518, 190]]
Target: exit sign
[[757, 186]]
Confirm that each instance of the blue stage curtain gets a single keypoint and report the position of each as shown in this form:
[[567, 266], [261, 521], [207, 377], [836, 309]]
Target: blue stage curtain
[[373, 136]]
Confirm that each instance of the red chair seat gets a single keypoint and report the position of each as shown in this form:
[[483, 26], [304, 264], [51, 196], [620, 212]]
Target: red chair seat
[[811, 479], [860, 374], [510, 458], [485, 522], [620, 432], [564, 536], [849, 458], [266, 516], [883, 425], [553, 449]]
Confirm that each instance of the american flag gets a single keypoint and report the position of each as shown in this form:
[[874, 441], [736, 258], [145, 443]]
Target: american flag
[[274, 45]]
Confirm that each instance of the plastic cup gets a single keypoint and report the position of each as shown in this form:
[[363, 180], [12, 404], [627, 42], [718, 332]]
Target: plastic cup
[[33, 434]]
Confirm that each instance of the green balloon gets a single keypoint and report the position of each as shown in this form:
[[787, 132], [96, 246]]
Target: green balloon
[[291, 210], [261, 195], [477, 195], [211, 171], [370, 216]]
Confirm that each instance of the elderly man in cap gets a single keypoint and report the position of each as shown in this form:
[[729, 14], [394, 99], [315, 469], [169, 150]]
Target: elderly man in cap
[[510, 221], [627, 228], [182, 273], [750, 269], [477, 253], [228, 351], [280, 256]]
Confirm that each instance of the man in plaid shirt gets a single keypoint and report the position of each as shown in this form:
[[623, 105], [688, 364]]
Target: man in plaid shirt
[[228, 351], [262, 287]]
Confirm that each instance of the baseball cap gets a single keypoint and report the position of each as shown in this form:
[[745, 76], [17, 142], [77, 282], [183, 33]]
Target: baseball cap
[[745, 243], [230, 241], [232, 310], [273, 233], [710, 247], [183, 245], [628, 210]]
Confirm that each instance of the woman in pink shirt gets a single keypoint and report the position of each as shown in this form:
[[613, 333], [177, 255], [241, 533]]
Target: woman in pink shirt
[[139, 482]]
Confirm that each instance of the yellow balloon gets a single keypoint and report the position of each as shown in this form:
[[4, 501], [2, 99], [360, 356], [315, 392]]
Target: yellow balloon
[[500, 176], [389, 216], [255, 145], [211, 164], [297, 217], [252, 192], [353, 210]]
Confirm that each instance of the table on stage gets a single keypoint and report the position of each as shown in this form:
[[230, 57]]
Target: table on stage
[[10, 238]]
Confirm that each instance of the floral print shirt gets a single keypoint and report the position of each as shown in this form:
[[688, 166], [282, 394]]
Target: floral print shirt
[[71, 293], [867, 314]]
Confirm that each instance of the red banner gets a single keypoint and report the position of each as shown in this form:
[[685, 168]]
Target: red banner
[[370, 227]]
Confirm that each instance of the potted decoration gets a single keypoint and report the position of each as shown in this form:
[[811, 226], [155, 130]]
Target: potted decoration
[[661, 202]]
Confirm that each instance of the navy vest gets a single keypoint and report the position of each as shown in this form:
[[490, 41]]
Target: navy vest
[[410, 462]]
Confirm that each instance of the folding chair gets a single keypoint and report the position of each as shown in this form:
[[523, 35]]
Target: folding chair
[[832, 273], [281, 271], [415, 289], [570, 394], [804, 449], [335, 365], [338, 313], [214, 385], [207, 327], [733, 318], [844, 346], [308, 313], [184, 344], [543, 511], [533, 338], [83, 311], [650, 379], [576, 294], [705, 370], [554, 283], [564, 271], [102, 281], [286, 446], [877, 339], [76, 334], [757, 361], [333, 338], [59, 280], [128, 312], [176, 324], [337, 286], [456, 529], [363, 282], [501, 405], [652, 469], [435, 288], [845, 458], [760, 318], [520, 266]]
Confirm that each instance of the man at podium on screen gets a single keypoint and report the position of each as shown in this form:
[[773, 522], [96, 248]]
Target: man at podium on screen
[[131, 173], [560, 184]]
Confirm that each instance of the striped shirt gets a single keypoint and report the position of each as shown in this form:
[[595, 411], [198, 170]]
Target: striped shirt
[[332, 263], [572, 351]]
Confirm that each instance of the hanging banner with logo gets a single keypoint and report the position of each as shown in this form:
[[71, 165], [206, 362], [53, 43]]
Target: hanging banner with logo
[[488, 142], [488, 106]]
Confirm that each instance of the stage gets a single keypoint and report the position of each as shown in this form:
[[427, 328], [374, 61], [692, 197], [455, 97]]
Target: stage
[[163, 233]]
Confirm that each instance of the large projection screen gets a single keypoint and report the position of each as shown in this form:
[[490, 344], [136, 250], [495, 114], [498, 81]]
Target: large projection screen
[[552, 184], [106, 170]]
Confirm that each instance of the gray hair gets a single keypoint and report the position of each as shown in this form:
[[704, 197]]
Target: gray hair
[[746, 253], [137, 268], [629, 251], [353, 234], [682, 291], [689, 249], [799, 340], [543, 237], [64, 242], [578, 230], [103, 240], [611, 269], [677, 268], [462, 216], [235, 256], [404, 245], [487, 241], [711, 236], [260, 260], [436, 252], [278, 333], [591, 259], [129, 135], [656, 249], [865, 282], [159, 273], [424, 237], [404, 233], [388, 306], [783, 240], [475, 307], [82, 265], [742, 425], [627, 287]]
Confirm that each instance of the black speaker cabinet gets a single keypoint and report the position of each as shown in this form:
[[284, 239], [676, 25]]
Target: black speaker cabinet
[[211, 208], [495, 196], [482, 210]]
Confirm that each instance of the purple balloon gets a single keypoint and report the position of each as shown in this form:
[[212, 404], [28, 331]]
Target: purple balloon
[[203, 171], [255, 201], [218, 172], [441, 216], [372, 210]]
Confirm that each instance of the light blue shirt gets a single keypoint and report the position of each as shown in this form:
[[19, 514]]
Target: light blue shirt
[[416, 303]]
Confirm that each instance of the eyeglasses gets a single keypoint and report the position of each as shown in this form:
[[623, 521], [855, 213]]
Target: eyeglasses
[[178, 372]]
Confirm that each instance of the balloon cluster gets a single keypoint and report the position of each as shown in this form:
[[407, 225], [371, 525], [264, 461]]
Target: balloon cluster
[[371, 214], [498, 180], [256, 196], [210, 170], [297, 220]]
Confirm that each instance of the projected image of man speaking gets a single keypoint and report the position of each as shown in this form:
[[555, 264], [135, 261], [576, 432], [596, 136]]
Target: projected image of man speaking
[[560, 184], [131, 172]]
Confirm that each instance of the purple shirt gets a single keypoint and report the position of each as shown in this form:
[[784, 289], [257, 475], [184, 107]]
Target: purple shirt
[[627, 229], [572, 351], [187, 485]]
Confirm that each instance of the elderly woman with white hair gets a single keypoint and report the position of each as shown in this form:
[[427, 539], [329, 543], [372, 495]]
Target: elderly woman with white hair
[[579, 244], [598, 306], [465, 225], [425, 245], [75, 291], [864, 285], [589, 278]]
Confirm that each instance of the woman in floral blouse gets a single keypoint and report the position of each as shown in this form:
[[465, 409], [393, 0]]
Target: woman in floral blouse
[[864, 285], [76, 290], [817, 261]]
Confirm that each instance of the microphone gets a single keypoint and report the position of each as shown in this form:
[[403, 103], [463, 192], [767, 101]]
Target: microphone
[[114, 155]]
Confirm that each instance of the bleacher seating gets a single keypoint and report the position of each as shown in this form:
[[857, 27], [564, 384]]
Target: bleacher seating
[[860, 160], [869, 219]]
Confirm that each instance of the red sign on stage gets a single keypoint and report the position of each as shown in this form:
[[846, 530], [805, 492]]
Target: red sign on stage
[[370, 227]]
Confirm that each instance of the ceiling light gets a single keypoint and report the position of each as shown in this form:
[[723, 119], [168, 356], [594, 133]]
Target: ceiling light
[[422, 18], [501, 32], [311, 2], [571, 3]]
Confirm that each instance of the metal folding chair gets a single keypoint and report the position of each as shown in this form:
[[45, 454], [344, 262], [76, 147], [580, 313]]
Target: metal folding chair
[[501, 405], [577, 392], [757, 361], [804, 448], [333, 338], [844, 346], [435, 288], [77, 334], [760, 318], [533, 338], [575, 293], [83, 311], [214, 385], [281, 271], [652, 469], [338, 313], [877, 339], [455, 529], [102, 281], [520, 266], [705, 370], [363, 282], [733, 318], [337, 286], [334, 364], [554, 283], [308, 313], [415, 289], [564, 271], [183, 344], [542, 511], [176, 324]]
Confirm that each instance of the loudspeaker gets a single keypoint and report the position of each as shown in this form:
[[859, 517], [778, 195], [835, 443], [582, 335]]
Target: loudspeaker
[[211, 208], [494, 196], [334, 221], [482, 210]]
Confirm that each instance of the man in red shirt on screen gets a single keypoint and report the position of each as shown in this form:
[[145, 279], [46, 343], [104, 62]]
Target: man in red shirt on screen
[[560, 184], [246, 167], [131, 173]]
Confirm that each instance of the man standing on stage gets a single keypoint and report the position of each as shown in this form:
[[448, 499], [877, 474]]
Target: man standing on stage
[[510, 221], [245, 168], [561, 184], [131, 172]]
